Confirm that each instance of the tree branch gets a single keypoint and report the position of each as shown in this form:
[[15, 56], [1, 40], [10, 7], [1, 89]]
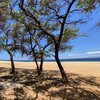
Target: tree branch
[[28, 13], [64, 21]]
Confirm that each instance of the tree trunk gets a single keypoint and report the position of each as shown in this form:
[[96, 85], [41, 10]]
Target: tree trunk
[[41, 63], [63, 74], [34, 55], [12, 62]]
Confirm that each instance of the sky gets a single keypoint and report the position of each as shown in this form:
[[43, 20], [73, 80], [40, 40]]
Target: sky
[[84, 47], [89, 46]]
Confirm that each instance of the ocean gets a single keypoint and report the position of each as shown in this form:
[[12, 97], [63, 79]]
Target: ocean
[[65, 60]]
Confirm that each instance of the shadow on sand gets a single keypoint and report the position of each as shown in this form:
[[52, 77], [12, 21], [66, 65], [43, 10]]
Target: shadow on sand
[[26, 86]]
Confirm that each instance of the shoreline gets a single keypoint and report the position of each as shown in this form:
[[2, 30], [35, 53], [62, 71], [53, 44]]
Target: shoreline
[[47, 61]]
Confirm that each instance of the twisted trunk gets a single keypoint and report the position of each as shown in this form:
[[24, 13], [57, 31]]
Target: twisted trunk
[[63, 74], [12, 62]]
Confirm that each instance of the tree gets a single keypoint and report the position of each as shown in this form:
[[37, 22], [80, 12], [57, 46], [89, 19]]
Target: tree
[[35, 49], [49, 17], [8, 46], [40, 52], [32, 36], [5, 36]]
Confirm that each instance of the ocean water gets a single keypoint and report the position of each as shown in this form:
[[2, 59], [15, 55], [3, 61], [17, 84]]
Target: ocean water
[[66, 60], [82, 60], [78, 60]]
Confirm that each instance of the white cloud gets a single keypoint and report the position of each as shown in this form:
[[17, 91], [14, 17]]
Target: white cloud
[[81, 55], [64, 56], [75, 55], [93, 52]]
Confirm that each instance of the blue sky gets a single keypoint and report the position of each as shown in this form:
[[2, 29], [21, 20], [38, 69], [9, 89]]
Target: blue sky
[[86, 46], [83, 46]]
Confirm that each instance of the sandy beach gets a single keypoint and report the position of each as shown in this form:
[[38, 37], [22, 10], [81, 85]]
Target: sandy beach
[[82, 68], [84, 78]]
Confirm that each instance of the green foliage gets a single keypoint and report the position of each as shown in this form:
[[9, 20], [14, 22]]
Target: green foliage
[[88, 5], [64, 48], [4, 12], [69, 33]]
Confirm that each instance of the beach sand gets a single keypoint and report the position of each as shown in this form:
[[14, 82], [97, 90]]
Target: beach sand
[[84, 79], [82, 68]]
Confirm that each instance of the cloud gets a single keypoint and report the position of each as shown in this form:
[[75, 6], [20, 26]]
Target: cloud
[[81, 55], [64, 56], [93, 52], [75, 55]]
